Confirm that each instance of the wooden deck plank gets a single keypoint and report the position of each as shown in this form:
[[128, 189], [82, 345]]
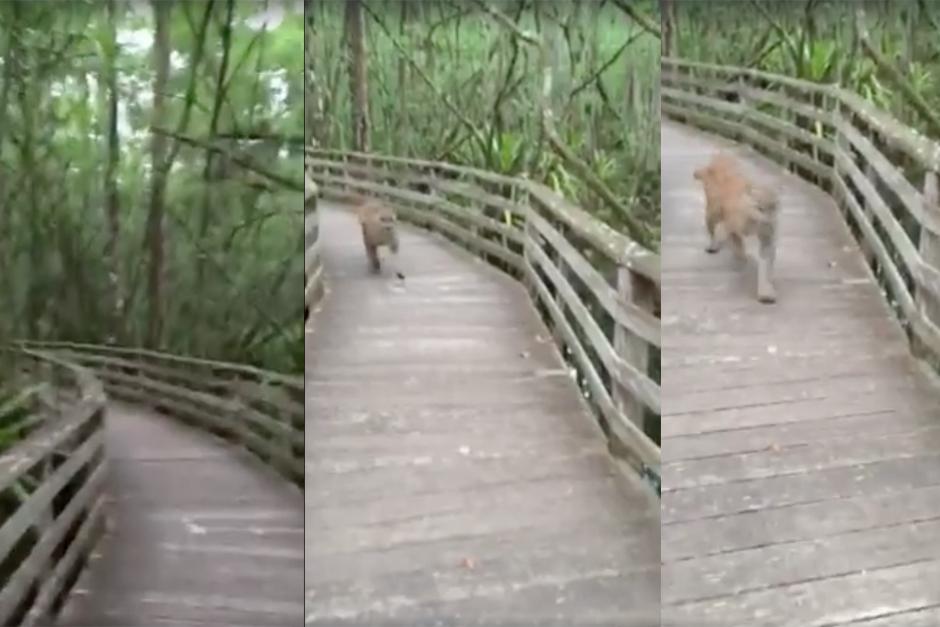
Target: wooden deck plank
[[791, 523], [779, 564], [838, 600], [775, 438], [453, 473], [895, 475], [851, 450], [198, 533], [801, 446]]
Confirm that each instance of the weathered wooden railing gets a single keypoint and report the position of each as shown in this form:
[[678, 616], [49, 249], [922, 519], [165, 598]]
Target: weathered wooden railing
[[313, 270], [882, 174], [51, 492], [260, 410], [597, 290]]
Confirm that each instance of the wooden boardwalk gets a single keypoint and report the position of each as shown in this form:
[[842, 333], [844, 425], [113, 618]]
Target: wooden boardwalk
[[453, 476], [198, 533], [801, 446]]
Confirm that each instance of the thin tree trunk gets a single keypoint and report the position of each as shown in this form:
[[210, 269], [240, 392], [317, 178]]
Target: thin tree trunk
[[207, 195], [9, 58], [112, 200], [358, 80], [402, 82], [667, 15], [26, 96], [158, 177], [310, 91]]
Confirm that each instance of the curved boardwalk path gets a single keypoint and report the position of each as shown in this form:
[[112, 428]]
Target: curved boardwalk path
[[801, 470], [453, 474], [198, 533]]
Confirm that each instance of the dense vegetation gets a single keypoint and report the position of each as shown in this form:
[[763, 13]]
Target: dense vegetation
[[111, 231], [888, 52], [463, 82]]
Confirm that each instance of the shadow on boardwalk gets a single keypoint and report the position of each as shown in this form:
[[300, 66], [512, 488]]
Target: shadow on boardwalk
[[801, 446], [453, 473]]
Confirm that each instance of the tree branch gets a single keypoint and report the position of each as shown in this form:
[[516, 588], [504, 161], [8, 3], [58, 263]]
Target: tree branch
[[778, 27], [613, 59], [261, 135], [503, 19], [635, 228], [645, 23], [477, 133], [916, 101], [239, 160]]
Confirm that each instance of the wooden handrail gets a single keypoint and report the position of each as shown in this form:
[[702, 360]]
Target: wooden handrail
[[51, 481], [260, 410], [51, 486], [597, 290], [882, 174]]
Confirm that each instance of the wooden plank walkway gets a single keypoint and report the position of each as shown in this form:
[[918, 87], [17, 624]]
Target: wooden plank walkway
[[801, 447], [453, 476], [198, 533]]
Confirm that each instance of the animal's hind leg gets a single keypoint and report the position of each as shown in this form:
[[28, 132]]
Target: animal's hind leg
[[373, 253], [737, 244], [767, 239]]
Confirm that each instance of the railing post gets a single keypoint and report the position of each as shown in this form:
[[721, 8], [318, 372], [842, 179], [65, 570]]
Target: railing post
[[524, 201], [478, 207], [819, 103], [838, 139], [869, 211], [927, 301], [561, 266], [629, 347], [528, 242], [311, 235], [431, 182], [369, 176], [506, 217], [843, 149]]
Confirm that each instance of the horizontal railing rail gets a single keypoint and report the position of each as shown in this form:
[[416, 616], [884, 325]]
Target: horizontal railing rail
[[260, 410], [51, 489], [882, 174], [597, 290]]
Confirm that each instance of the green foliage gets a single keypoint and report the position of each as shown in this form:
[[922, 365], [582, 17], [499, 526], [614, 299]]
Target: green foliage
[[15, 409], [817, 42], [233, 253], [605, 71]]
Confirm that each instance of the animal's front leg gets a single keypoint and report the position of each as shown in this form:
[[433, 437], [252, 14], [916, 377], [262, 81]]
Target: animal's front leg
[[767, 239], [393, 247], [372, 251], [718, 233]]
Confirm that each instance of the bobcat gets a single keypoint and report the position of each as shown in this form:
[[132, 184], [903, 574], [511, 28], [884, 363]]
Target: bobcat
[[735, 209], [379, 228]]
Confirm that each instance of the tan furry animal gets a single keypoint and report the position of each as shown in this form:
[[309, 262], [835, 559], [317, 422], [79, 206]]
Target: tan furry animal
[[379, 228], [735, 209]]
